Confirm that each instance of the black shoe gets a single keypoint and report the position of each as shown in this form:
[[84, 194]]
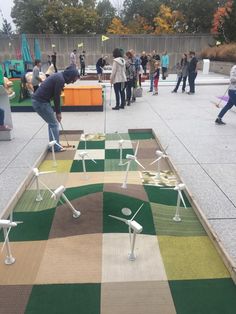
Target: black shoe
[[190, 93], [128, 103], [116, 108], [183, 91], [122, 107], [219, 121], [174, 91]]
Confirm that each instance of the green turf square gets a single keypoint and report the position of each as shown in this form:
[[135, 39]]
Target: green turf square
[[159, 195], [141, 135], [77, 166], [36, 226], [165, 225], [65, 299], [115, 153], [91, 145], [27, 202], [117, 136], [213, 296], [113, 204], [77, 192], [113, 165]]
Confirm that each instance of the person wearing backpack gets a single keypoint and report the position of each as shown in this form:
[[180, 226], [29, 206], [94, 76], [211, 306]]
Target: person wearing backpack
[[130, 74]]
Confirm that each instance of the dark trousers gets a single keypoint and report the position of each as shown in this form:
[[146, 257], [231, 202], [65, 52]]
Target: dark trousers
[[179, 81], [231, 102], [191, 79], [144, 69], [120, 94], [164, 72], [82, 69], [55, 67], [128, 86], [2, 116]]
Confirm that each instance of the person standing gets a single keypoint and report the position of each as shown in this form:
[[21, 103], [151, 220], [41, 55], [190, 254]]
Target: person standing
[[144, 61], [73, 58], [192, 72], [232, 96], [35, 77], [82, 63], [130, 74], [164, 65], [99, 67], [51, 88], [156, 55], [54, 60], [151, 62], [50, 70], [182, 73], [118, 78], [156, 76]]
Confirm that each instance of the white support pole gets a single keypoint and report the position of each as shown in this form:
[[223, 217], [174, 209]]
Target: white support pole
[[132, 256], [39, 196], [75, 212], [124, 185], [177, 217], [9, 259]]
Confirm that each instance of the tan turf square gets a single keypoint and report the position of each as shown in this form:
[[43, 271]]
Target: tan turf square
[[119, 176], [90, 221], [66, 155], [62, 166], [28, 257], [72, 260], [92, 154], [146, 144], [191, 258], [75, 179], [133, 190], [116, 266], [52, 180], [147, 297], [115, 144]]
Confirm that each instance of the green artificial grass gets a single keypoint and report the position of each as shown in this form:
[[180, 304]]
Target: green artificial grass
[[77, 192], [65, 299], [162, 196], [27, 202], [115, 153], [113, 204], [77, 166], [113, 165], [141, 135], [91, 145], [15, 101], [117, 136], [211, 296], [36, 226], [165, 225]]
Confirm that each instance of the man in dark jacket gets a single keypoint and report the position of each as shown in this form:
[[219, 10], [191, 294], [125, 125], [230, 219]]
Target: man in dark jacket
[[51, 88], [192, 72]]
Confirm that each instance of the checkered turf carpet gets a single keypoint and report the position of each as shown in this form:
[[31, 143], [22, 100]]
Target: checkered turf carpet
[[68, 265]]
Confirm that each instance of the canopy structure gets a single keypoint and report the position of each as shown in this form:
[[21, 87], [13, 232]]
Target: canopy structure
[[37, 52], [25, 50]]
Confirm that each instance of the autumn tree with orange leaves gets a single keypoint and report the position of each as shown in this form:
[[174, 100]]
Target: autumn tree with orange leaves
[[117, 27], [168, 21]]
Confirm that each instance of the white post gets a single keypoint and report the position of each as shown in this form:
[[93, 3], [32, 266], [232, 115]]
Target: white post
[[132, 256], [39, 196], [121, 152], [9, 259], [177, 217], [124, 185], [75, 212], [83, 163]]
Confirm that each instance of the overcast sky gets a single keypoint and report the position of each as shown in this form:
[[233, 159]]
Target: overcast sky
[[6, 6]]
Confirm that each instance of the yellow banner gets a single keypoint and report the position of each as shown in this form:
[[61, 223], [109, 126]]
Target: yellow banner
[[80, 45], [104, 38]]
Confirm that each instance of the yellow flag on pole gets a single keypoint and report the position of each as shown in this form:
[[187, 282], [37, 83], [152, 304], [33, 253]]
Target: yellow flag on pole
[[80, 45], [104, 38]]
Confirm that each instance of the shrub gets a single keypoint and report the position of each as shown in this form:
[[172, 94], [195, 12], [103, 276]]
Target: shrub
[[226, 52]]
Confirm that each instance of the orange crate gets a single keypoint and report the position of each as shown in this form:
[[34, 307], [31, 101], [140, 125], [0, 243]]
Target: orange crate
[[83, 95]]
